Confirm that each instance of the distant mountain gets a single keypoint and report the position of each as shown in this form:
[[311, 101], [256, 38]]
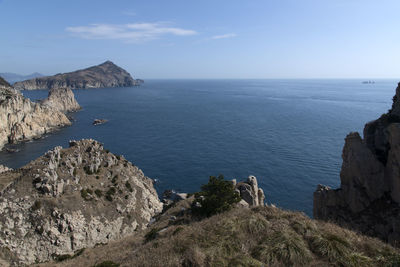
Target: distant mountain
[[106, 74], [13, 77]]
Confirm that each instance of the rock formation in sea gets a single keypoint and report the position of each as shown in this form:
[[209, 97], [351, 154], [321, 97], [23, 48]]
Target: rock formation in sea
[[106, 74], [22, 119], [62, 99], [4, 168], [368, 199], [70, 199]]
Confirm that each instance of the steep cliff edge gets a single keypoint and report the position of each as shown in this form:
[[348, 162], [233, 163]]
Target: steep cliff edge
[[106, 74], [62, 99], [4, 83], [368, 199], [22, 119], [71, 199]]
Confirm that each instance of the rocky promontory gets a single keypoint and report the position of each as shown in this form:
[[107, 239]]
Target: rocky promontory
[[22, 119], [71, 199], [368, 199], [106, 74], [62, 99]]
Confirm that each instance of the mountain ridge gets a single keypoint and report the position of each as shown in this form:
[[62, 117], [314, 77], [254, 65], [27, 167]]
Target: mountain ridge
[[15, 77], [103, 75]]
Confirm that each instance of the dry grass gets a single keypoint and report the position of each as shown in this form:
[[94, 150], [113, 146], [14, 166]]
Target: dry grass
[[263, 236]]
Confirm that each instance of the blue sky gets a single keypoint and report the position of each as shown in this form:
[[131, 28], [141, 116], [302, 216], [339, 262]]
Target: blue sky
[[204, 39]]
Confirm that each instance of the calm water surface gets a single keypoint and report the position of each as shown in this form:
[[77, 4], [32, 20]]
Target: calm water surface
[[288, 133]]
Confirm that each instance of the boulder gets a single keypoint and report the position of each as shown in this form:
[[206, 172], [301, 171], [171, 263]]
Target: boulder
[[250, 192]]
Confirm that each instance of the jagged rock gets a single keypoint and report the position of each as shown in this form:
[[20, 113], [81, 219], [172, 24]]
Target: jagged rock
[[4, 168], [4, 83], [21, 119], [67, 200], [104, 75], [170, 196], [369, 196], [62, 99], [99, 121], [250, 192]]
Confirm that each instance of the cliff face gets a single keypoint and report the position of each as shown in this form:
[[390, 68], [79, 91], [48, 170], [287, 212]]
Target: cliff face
[[62, 99], [71, 199], [104, 75], [21, 119], [4, 83], [369, 196]]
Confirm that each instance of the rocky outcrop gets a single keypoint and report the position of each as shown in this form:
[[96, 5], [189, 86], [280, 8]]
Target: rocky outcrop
[[71, 199], [104, 75], [62, 99], [368, 199], [4, 83], [21, 119], [4, 168], [250, 193]]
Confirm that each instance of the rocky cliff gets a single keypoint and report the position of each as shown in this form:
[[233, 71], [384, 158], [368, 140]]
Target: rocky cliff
[[62, 99], [22, 119], [104, 75], [369, 196], [71, 199], [4, 83]]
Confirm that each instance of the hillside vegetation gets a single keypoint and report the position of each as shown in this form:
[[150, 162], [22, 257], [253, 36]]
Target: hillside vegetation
[[261, 236]]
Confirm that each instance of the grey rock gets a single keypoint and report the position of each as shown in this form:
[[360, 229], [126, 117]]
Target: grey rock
[[46, 211], [369, 195], [250, 192], [22, 119]]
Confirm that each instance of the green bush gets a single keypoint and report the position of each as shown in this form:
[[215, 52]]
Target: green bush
[[98, 192], [110, 193], [152, 234], [37, 205], [128, 185], [87, 170], [217, 196], [85, 194]]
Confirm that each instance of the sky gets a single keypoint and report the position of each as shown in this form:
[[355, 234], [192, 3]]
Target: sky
[[204, 39]]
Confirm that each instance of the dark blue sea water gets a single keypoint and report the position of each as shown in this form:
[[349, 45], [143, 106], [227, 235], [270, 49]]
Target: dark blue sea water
[[288, 133]]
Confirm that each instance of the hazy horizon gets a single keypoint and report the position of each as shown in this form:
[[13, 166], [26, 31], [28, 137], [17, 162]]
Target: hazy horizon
[[204, 40]]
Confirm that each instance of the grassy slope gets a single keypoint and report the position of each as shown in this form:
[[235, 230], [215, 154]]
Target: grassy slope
[[263, 236]]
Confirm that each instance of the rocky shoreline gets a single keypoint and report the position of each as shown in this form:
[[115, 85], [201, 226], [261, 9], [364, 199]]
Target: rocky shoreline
[[22, 120]]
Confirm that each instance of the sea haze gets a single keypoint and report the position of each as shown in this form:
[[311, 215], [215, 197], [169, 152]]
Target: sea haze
[[288, 133]]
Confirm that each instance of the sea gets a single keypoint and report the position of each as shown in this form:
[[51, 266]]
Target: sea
[[287, 133]]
